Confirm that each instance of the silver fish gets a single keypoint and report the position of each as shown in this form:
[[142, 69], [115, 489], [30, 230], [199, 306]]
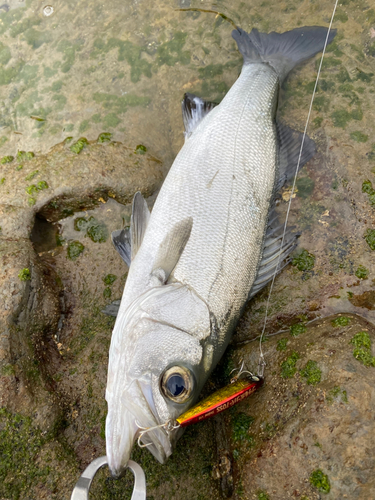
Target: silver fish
[[210, 243]]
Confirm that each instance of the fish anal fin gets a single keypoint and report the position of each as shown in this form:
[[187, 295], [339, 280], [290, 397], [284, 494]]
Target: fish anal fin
[[289, 149], [138, 224], [194, 109], [171, 250], [275, 256], [121, 240]]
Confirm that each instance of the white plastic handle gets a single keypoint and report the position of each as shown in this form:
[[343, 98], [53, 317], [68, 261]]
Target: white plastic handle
[[81, 489]]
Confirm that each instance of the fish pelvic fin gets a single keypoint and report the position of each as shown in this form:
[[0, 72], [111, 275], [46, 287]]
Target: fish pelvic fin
[[282, 51], [194, 109], [121, 240]]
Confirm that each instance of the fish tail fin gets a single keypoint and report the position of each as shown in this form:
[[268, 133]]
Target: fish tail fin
[[282, 51]]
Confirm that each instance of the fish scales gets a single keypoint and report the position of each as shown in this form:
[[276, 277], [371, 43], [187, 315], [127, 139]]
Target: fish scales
[[224, 179], [196, 257]]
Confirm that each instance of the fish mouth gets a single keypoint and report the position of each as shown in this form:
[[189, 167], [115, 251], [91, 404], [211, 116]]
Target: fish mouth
[[134, 418]]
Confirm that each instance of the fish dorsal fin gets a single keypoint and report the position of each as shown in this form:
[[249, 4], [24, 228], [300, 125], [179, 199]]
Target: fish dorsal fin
[[138, 222], [171, 250], [272, 249], [289, 148], [121, 240], [194, 109]]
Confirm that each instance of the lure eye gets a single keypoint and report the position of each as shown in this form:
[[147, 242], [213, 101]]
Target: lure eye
[[177, 384]]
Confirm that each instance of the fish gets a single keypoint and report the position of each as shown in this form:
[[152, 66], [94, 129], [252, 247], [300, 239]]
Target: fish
[[211, 242]]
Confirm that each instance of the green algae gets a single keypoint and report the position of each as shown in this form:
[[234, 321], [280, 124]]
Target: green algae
[[31, 175], [104, 137], [107, 292], [68, 49], [362, 351], [31, 201], [20, 444], [6, 159], [49, 72], [109, 279], [364, 77], [369, 236], [364, 356], [95, 230], [127, 51], [357, 114], [317, 122], [25, 156], [359, 136], [111, 120], [305, 187], [2, 181], [312, 373], [79, 145], [341, 16], [320, 481], [24, 274], [362, 272], [367, 188], [297, 329], [320, 102], [288, 367], [240, 427], [343, 76], [326, 85], [340, 321], [34, 188], [84, 125], [337, 394], [60, 103], [140, 150], [361, 339], [5, 54], [75, 248], [282, 344], [57, 86], [119, 105], [171, 52], [31, 189], [36, 38], [304, 261], [341, 117], [262, 495]]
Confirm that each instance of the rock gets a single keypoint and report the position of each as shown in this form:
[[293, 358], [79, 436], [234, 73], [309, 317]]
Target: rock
[[36, 304], [310, 420]]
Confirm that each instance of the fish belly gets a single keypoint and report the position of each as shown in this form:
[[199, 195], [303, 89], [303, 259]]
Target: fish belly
[[224, 178]]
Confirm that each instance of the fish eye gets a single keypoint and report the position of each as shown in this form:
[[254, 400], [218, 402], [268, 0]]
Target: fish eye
[[177, 384]]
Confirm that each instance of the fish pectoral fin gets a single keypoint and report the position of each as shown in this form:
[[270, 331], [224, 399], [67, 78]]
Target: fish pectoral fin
[[138, 223], [289, 149], [171, 250], [194, 109], [122, 242]]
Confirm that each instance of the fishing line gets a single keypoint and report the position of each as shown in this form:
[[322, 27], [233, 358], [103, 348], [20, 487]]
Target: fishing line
[[262, 362]]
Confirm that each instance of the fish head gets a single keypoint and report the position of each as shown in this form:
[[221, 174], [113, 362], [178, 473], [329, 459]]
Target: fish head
[[156, 371]]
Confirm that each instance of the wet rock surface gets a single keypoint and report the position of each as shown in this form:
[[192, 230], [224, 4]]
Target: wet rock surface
[[45, 275], [124, 67]]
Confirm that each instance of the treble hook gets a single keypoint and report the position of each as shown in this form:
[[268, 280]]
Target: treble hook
[[241, 371], [169, 426], [81, 489]]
